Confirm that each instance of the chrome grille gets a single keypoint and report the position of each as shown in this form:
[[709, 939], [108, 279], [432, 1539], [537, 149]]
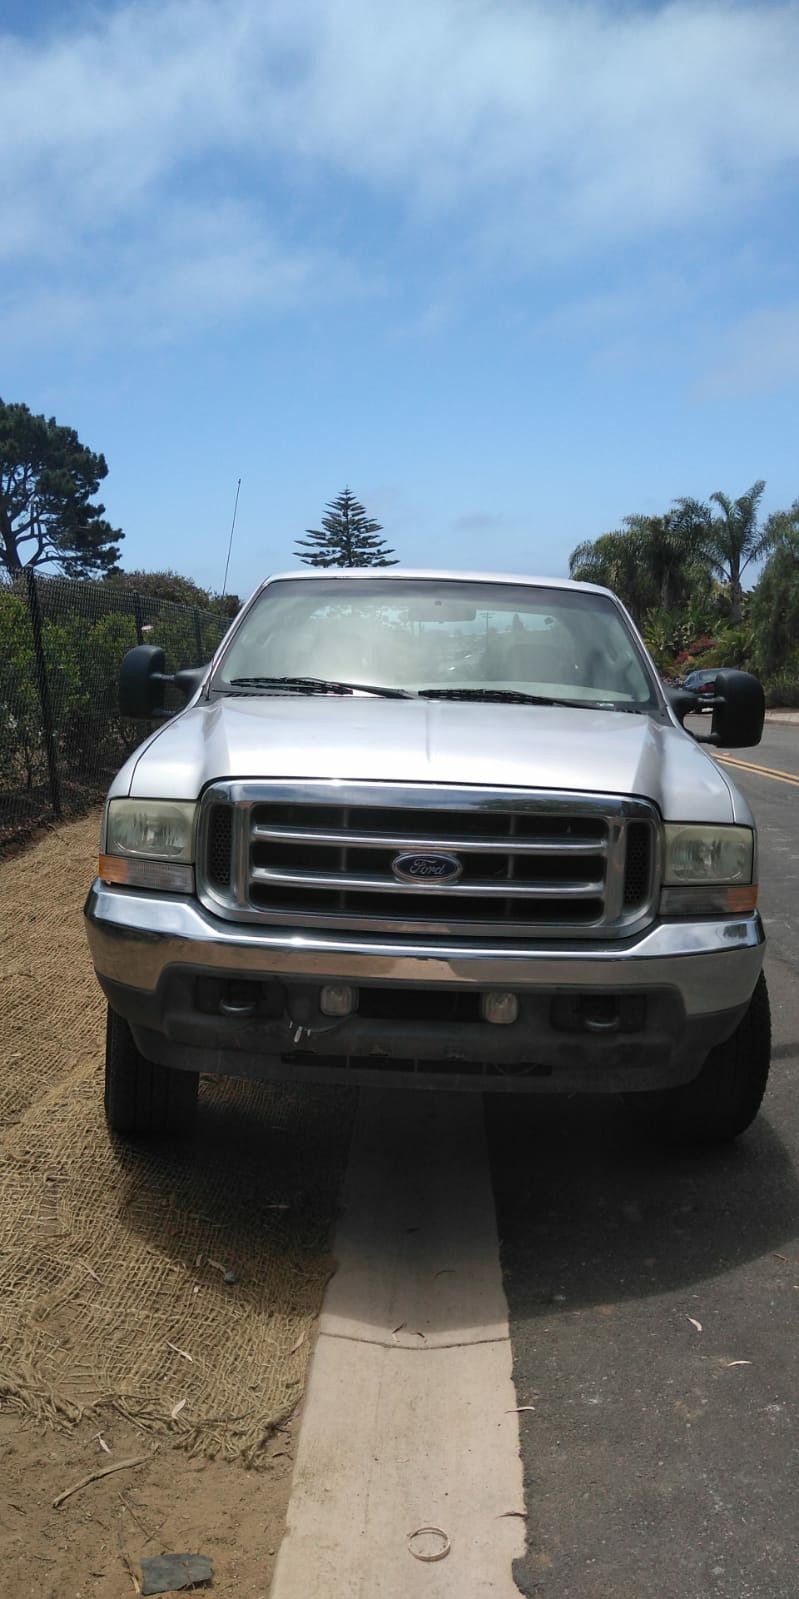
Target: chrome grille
[[319, 855]]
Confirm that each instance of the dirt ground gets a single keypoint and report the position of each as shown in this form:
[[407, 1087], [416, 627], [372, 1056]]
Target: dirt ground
[[116, 1317], [91, 1546]]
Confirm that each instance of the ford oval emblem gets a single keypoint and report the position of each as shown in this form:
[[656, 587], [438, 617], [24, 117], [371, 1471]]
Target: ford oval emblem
[[427, 869]]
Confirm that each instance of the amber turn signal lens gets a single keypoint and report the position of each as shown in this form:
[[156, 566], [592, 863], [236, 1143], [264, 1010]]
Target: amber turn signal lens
[[742, 899], [171, 877], [113, 869], [732, 899]]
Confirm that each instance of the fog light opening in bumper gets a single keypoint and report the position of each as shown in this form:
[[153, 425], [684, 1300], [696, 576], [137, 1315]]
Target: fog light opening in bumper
[[499, 1007], [338, 999]]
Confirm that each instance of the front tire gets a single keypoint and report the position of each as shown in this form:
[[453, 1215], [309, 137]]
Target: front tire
[[724, 1099], [141, 1097]]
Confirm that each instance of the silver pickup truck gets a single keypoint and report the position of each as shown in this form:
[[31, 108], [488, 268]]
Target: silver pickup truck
[[439, 830]]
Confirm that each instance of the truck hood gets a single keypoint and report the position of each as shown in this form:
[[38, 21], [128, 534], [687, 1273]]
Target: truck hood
[[420, 741]]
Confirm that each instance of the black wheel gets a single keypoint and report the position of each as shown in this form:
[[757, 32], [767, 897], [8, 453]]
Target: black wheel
[[724, 1099], [139, 1096]]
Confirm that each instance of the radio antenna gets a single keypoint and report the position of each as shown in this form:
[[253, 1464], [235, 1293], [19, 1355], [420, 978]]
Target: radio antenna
[[230, 540]]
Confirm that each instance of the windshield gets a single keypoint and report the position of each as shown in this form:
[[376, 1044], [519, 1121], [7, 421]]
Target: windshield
[[427, 635]]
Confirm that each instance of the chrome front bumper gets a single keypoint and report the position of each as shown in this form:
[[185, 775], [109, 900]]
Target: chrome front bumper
[[136, 938], [170, 969]]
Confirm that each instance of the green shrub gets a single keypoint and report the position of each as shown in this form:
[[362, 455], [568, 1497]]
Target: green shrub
[[732, 646], [783, 687], [86, 630], [22, 754]]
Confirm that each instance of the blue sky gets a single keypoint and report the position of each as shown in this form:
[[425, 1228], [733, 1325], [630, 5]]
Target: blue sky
[[510, 269]]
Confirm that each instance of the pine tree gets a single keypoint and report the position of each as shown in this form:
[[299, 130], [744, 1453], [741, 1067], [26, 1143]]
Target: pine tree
[[347, 537], [47, 515]]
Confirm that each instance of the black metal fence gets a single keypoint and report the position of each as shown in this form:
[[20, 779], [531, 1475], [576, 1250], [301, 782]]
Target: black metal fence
[[61, 642]]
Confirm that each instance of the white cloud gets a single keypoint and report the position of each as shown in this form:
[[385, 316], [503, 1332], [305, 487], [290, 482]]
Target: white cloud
[[203, 137], [199, 266], [595, 118]]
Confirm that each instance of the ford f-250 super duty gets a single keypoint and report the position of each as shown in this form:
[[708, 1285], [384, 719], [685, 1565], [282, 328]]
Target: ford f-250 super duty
[[434, 829]]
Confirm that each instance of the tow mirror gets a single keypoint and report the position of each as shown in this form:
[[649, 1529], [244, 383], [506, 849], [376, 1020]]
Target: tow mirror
[[739, 710], [142, 681]]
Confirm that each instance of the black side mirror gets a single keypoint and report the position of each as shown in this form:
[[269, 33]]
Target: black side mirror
[[739, 710], [142, 681]]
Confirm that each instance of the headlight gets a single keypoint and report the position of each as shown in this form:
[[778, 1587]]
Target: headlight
[[708, 871], [699, 855], [161, 830], [149, 844]]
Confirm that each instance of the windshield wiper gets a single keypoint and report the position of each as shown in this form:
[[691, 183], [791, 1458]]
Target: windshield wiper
[[320, 685], [513, 696]]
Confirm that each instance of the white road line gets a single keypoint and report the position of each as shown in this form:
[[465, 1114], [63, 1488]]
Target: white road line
[[408, 1417]]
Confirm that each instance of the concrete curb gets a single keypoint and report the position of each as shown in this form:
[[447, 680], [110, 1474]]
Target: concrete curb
[[409, 1415]]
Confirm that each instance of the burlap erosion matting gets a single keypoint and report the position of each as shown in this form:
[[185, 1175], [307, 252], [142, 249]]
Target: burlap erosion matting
[[176, 1284]]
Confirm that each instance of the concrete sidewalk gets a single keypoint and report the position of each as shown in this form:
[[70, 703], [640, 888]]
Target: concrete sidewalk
[[784, 718]]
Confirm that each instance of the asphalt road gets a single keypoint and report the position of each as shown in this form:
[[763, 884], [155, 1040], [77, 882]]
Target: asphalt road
[[661, 1460]]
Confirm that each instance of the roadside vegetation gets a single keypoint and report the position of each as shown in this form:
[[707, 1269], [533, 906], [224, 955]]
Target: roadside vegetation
[[682, 577]]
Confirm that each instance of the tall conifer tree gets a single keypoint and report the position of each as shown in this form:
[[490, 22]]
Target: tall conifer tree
[[347, 537]]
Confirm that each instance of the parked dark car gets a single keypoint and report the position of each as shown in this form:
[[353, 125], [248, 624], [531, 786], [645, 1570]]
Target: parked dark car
[[702, 683]]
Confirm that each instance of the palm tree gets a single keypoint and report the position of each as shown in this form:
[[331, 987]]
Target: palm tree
[[613, 561], [775, 600], [668, 547], [734, 539]]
